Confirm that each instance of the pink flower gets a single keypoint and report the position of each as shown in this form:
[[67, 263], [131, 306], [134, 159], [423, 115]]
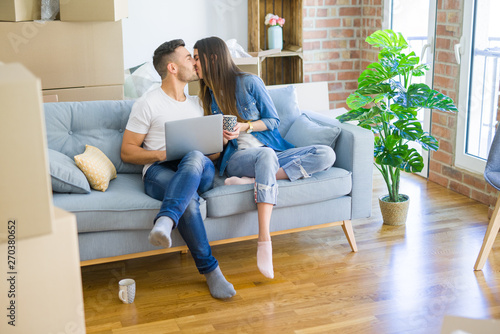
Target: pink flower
[[267, 18], [273, 20]]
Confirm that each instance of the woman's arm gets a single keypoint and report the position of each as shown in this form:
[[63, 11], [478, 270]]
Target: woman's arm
[[257, 126], [264, 103]]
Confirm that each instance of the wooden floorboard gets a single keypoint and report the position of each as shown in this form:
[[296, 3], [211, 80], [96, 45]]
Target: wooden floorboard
[[403, 279]]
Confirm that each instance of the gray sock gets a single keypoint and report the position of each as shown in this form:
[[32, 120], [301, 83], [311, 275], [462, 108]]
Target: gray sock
[[160, 234], [218, 285]]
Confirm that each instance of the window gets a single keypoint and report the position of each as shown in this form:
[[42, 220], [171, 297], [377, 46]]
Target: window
[[479, 83]]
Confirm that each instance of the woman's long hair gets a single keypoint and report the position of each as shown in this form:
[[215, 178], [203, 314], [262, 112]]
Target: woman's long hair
[[219, 74]]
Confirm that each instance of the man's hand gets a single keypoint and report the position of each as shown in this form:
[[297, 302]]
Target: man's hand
[[162, 155]]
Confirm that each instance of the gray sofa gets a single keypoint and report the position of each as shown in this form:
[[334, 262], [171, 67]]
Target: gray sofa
[[117, 222]]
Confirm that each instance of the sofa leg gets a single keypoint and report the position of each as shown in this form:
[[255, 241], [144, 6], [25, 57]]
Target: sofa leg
[[349, 233]]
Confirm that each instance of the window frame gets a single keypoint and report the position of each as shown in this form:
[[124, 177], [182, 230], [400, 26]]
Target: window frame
[[462, 159]]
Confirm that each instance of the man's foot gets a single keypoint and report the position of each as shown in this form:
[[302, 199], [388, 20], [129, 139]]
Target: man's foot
[[219, 287], [160, 234], [265, 258], [239, 180]]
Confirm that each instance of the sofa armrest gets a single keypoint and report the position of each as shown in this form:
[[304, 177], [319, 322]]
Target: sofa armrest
[[354, 150]]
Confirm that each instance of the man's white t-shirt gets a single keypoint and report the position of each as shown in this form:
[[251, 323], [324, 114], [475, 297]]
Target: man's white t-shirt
[[151, 111]]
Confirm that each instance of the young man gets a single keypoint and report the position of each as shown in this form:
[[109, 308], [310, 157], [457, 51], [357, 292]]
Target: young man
[[178, 183]]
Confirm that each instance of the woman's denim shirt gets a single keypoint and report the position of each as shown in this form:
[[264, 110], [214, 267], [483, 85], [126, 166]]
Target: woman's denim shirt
[[253, 103]]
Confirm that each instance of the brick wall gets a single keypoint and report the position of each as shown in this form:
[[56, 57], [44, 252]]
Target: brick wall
[[333, 41], [335, 51]]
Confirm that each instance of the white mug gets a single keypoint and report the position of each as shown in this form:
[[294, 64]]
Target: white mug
[[127, 290]]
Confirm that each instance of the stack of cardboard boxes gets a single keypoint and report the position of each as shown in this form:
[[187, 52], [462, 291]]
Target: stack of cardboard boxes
[[38, 300], [77, 58]]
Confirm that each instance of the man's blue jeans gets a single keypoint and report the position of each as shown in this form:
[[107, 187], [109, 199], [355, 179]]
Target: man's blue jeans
[[177, 185], [262, 163]]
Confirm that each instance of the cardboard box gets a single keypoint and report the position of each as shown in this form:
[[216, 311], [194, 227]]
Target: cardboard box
[[20, 10], [50, 98], [95, 93], [461, 325], [66, 54], [249, 64], [26, 195], [93, 10], [48, 283]]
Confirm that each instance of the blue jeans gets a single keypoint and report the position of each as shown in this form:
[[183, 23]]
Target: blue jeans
[[177, 185], [262, 163]]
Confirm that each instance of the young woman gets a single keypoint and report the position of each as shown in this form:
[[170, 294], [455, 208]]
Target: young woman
[[255, 152]]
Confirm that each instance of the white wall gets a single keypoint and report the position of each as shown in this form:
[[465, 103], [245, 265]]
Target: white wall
[[152, 22]]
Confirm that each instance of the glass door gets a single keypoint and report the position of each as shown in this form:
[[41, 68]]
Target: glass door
[[478, 54], [416, 20]]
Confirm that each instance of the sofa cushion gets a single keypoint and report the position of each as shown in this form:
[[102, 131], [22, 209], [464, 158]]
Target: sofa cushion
[[72, 125], [124, 206], [96, 166], [65, 176], [229, 200], [304, 132], [287, 106]]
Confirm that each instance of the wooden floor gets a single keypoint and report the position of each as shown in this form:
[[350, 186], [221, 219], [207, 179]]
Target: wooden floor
[[403, 279]]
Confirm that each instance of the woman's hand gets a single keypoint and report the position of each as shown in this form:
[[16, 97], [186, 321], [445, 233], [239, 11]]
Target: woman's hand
[[231, 135]]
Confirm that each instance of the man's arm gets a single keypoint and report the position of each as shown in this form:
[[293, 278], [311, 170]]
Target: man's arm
[[133, 153]]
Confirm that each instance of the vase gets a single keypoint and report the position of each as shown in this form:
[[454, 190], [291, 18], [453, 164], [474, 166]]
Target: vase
[[275, 37], [394, 213]]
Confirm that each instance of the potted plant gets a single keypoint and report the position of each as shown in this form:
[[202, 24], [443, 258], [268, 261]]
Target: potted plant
[[387, 102]]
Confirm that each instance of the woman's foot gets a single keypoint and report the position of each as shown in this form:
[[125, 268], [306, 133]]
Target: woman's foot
[[239, 180], [265, 258]]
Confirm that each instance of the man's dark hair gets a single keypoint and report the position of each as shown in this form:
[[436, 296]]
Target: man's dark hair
[[164, 55]]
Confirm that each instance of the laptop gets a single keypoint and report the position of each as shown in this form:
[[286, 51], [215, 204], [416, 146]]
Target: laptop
[[203, 134]]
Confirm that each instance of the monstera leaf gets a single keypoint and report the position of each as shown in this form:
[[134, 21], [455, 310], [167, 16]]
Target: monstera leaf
[[404, 113], [382, 88], [439, 101], [388, 40], [409, 130], [412, 161], [419, 70], [374, 74], [393, 158], [357, 100], [428, 142]]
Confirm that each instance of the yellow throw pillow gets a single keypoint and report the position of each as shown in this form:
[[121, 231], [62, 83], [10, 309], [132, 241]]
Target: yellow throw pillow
[[96, 166]]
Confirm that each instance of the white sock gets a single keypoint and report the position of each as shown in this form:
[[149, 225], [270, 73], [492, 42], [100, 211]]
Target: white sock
[[239, 180], [265, 258], [160, 234]]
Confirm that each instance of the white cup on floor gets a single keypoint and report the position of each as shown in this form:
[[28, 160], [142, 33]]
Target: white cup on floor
[[127, 290]]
